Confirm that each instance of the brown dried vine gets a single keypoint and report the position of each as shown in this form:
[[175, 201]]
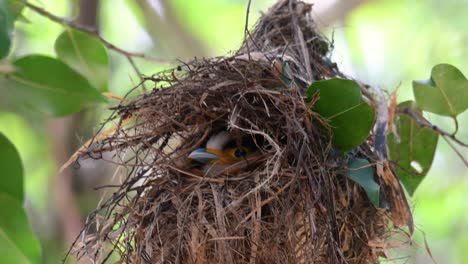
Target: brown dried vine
[[290, 202]]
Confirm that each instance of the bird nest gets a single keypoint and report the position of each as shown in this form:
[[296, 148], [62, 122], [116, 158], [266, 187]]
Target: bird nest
[[289, 201]]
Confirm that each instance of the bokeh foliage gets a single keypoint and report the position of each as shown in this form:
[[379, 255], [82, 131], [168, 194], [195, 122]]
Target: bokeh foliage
[[389, 42]]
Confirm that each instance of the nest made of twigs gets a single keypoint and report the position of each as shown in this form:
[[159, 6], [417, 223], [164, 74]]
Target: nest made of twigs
[[290, 202]]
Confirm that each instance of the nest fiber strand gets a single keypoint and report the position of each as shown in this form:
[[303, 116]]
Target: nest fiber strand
[[290, 202]]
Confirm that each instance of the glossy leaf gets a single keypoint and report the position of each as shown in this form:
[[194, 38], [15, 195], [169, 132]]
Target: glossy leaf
[[363, 174], [18, 243], [350, 117], [445, 93], [50, 86], [86, 55], [11, 169], [414, 153]]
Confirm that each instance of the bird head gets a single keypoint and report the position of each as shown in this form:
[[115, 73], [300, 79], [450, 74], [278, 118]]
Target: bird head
[[221, 149]]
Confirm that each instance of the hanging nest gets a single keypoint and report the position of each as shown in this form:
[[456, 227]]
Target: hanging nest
[[288, 202]]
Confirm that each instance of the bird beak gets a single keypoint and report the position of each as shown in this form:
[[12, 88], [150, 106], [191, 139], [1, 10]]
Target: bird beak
[[203, 156]]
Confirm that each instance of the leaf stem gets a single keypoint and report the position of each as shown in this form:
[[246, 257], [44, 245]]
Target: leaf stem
[[456, 125]]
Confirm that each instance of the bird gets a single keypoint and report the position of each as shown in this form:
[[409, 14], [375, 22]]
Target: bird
[[221, 151]]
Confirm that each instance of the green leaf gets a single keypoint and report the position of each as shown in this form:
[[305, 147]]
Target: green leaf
[[9, 11], [350, 117], [363, 174], [445, 93], [12, 170], [50, 86], [15, 7], [86, 55], [18, 243], [414, 153], [5, 30]]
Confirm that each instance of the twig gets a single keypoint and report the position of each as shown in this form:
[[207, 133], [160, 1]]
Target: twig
[[422, 122], [93, 33], [381, 124], [300, 39], [456, 151], [137, 71], [246, 28], [112, 96]]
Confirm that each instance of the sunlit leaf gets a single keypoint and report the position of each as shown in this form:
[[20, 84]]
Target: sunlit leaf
[[414, 153], [445, 93], [11, 169], [361, 172], [50, 86], [350, 117], [18, 243], [86, 55]]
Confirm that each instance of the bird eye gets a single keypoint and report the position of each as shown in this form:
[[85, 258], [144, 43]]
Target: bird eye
[[239, 153]]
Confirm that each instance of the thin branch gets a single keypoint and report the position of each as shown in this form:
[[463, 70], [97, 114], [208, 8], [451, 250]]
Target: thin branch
[[422, 122], [93, 33], [299, 36], [246, 28], [137, 71], [456, 150]]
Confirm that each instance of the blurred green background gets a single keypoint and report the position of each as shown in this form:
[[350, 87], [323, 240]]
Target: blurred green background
[[384, 43]]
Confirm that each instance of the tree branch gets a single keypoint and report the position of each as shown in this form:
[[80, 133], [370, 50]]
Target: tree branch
[[93, 33]]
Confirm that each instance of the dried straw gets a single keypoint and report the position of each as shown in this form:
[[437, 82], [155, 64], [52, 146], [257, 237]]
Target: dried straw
[[290, 202]]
